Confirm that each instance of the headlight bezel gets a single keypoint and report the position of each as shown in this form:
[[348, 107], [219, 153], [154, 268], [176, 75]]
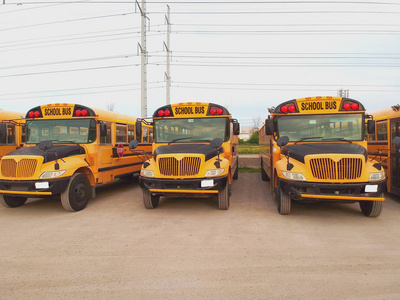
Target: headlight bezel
[[214, 172], [146, 173], [379, 176], [294, 176], [52, 174]]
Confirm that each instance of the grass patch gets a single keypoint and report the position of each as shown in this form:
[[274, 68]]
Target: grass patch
[[248, 149], [249, 170]]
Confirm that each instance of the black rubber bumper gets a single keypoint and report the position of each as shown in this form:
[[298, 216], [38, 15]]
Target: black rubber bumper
[[182, 184], [296, 188], [56, 187]]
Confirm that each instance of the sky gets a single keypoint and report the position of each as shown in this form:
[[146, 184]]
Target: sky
[[245, 55]]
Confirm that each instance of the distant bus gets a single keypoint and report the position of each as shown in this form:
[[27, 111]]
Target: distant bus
[[70, 148], [195, 152], [383, 145], [12, 131], [315, 149]]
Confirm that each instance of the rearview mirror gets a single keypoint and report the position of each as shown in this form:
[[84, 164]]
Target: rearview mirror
[[236, 128], [371, 126], [133, 144], [216, 143], [269, 127], [282, 141]]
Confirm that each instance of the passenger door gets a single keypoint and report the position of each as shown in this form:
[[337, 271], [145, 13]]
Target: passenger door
[[394, 158]]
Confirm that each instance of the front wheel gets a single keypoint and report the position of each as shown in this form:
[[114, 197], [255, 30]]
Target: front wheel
[[9, 201], [77, 194], [284, 202], [371, 208], [149, 200], [223, 198]]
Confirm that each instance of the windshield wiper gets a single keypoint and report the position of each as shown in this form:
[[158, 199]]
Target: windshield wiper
[[178, 139], [310, 138]]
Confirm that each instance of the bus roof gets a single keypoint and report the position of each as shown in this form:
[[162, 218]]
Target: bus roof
[[387, 113], [67, 110]]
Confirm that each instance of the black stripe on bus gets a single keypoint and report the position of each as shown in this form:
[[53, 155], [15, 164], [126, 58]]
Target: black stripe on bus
[[119, 167]]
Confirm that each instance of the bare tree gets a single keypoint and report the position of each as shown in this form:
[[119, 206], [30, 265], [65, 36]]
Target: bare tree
[[256, 123]]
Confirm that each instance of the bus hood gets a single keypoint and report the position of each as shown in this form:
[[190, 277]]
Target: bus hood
[[55, 152], [207, 150], [299, 151]]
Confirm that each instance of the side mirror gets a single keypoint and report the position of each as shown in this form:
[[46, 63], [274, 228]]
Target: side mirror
[[216, 143], [396, 141], [133, 144], [236, 128], [45, 145], [103, 129], [282, 141], [138, 129], [3, 130], [269, 127], [371, 126]]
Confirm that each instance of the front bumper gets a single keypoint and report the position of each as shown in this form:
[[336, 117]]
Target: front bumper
[[28, 189], [332, 191], [182, 186]]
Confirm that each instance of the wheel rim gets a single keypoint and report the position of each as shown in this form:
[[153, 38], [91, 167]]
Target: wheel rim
[[80, 193]]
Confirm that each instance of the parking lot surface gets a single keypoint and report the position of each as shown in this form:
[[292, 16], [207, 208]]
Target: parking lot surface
[[189, 249]]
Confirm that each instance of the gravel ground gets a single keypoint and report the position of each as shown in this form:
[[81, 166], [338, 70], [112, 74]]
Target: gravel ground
[[188, 249]]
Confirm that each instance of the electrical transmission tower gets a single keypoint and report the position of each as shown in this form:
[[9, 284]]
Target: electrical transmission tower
[[343, 93]]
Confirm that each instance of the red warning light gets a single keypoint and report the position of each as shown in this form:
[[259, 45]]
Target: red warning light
[[284, 109]]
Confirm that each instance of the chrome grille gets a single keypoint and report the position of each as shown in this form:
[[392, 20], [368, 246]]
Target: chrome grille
[[24, 168], [345, 168], [187, 166]]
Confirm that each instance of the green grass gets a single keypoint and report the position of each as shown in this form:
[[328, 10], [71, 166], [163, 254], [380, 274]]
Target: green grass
[[248, 149], [249, 170]]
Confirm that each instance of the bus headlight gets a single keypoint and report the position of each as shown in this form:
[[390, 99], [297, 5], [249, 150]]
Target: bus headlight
[[146, 173], [215, 172], [377, 176], [294, 176], [53, 174]]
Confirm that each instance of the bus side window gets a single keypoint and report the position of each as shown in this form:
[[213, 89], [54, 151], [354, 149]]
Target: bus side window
[[131, 132], [145, 134], [121, 133], [106, 139], [9, 138], [381, 128], [23, 134], [151, 135]]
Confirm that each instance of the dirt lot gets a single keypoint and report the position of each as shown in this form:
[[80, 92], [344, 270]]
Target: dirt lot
[[188, 249]]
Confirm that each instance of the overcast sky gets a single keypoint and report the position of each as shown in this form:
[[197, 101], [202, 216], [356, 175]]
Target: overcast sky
[[245, 55]]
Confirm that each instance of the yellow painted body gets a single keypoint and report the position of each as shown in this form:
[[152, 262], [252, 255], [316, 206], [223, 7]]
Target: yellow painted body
[[99, 163], [15, 131]]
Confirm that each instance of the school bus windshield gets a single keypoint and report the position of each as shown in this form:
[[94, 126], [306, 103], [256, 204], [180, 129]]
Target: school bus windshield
[[61, 131], [330, 127], [191, 130]]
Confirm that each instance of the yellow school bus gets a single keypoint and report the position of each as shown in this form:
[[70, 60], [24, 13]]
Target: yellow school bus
[[12, 131], [315, 148], [194, 153], [69, 149], [383, 145]]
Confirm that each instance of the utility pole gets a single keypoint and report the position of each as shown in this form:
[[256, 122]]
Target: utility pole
[[143, 52], [167, 46]]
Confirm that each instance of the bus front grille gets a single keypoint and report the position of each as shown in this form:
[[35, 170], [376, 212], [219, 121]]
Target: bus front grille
[[345, 168], [187, 166], [24, 168]]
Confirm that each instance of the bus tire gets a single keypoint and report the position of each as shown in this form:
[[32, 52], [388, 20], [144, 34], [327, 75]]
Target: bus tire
[[284, 202], [236, 174], [223, 198], [77, 194], [371, 208], [9, 201], [264, 176], [149, 200]]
